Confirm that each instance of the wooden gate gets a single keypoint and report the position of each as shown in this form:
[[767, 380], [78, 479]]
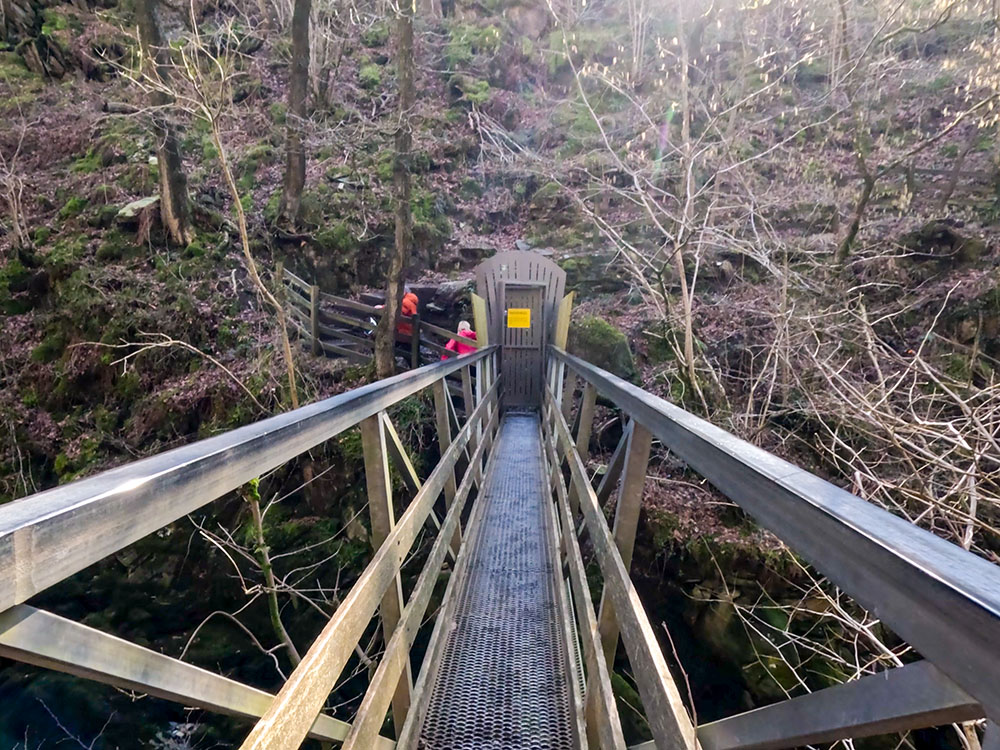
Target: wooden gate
[[532, 286], [523, 343]]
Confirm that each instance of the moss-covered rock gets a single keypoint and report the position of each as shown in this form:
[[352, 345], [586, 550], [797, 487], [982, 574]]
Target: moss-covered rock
[[598, 342]]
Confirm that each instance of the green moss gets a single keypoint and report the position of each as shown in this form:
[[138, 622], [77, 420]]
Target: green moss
[[375, 36], [279, 113], [115, 246], [384, 162], [90, 162], [54, 20], [597, 341], [13, 281], [338, 238], [470, 189], [12, 68], [42, 235], [51, 347], [370, 76], [65, 255], [74, 207], [104, 216], [466, 41], [467, 88]]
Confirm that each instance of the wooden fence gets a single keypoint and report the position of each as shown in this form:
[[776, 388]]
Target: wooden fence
[[335, 326]]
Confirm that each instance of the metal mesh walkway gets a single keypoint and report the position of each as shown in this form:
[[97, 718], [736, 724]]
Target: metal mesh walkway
[[503, 682]]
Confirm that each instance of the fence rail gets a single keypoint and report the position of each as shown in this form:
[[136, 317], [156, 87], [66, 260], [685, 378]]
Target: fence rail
[[337, 326], [941, 599], [51, 535]]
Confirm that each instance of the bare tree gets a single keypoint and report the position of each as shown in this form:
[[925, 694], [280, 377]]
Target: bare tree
[[175, 209], [385, 334], [298, 91]]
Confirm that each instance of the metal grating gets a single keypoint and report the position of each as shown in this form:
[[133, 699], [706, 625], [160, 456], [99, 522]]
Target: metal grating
[[503, 681]]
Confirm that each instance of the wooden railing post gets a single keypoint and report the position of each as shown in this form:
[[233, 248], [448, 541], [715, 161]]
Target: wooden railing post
[[626, 521], [444, 441], [415, 343], [587, 405], [317, 348], [383, 521]]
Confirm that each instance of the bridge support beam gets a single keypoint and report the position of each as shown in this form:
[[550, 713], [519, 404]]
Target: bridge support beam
[[444, 442], [626, 522], [383, 521]]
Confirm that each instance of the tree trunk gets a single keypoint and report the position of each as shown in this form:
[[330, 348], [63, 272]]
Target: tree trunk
[[385, 335], [175, 208], [298, 86], [844, 249]]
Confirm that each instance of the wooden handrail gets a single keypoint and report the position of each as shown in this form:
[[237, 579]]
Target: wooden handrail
[[287, 721], [940, 598], [665, 712], [49, 536]]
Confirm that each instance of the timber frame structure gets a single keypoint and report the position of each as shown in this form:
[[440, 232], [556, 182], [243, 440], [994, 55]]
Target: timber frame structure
[[942, 600]]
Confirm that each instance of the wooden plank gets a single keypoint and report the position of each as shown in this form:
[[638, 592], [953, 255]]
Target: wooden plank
[[626, 522], [914, 696], [335, 317], [443, 422], [561, 334], [351, 304], [446, 334], [602, 720], [480, 320], [37, 637], [398, 455], [297, 281], [314, 318], [395, 660], [665, 712], [287, 720], [383, 521], [53, 534]]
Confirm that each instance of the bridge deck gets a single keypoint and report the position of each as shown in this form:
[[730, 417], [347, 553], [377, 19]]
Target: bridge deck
[[503, 679]]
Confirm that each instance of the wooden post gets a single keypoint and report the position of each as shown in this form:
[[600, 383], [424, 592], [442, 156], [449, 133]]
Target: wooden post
[[317, 348], [469, 405], [626, 520], [444, 441], [415, 343], [587, 404], [566, 399], [383, 521]]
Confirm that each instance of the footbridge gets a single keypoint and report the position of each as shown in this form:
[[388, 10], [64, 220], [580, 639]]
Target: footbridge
[[526, 635]]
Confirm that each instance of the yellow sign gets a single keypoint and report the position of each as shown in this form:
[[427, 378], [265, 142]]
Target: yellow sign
[[518, 317]]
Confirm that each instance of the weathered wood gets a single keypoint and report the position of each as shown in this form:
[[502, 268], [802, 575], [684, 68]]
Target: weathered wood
[[383, 521], [915, 696], [602, 720], [395, 660], [467, 405], [665, 712], [314, 319], [941, 599], [54, 534], [297, 281], [444, 442], [37, 637], [415, 342], [625, 524], [286, 722], [566, 399], [399, 457], [446, 334], [587, 406]]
